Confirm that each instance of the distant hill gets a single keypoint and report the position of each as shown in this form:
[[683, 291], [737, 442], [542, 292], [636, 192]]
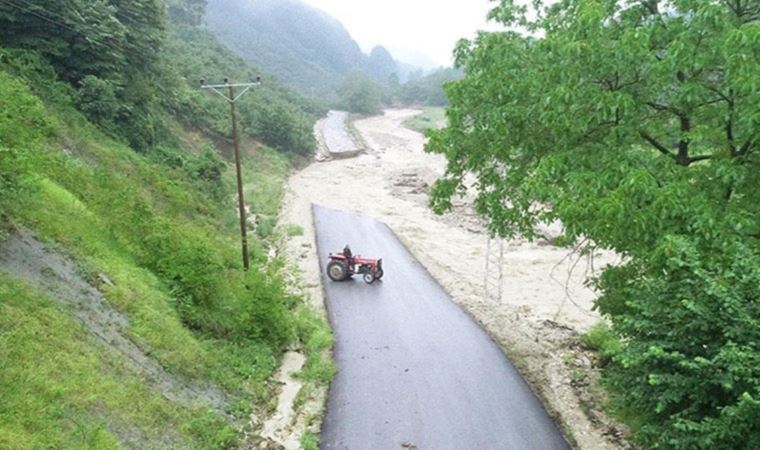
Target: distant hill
[[381, 64], [300, 44]]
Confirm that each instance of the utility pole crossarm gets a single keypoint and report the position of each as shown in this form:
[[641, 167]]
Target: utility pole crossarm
[[216, 88]]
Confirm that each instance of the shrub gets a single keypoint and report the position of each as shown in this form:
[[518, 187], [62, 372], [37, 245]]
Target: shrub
[[97, 99], [601, 338]]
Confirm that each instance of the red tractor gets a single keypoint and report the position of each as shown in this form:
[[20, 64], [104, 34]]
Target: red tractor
[[344, 265]]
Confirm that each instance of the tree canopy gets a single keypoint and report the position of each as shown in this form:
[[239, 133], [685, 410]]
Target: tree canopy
[[133, 67], [360, 94], [636, 125]]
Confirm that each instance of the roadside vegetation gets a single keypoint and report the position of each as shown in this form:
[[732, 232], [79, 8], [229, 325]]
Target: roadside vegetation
[[431, 118], [426, 89], [362, 95], [635, 125], [111, 156]]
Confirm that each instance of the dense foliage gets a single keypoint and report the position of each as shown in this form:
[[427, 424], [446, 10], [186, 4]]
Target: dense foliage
[[159, 224], [427, 90], [636, 125], [133, 70], [272, 112], [360, 94]]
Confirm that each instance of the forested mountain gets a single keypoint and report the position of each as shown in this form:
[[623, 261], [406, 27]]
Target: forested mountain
[[381, 65], [126, 320], [300, 44]]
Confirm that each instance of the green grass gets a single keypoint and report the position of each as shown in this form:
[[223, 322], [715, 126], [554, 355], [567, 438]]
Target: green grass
[[317, 339], [601, 339], [265, 171], [309, 441], [430, 118], [291, 230], [167, 238], [61, 389]]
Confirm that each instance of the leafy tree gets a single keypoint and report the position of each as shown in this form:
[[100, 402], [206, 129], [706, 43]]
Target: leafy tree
[[106, 38], [636, 125], [360, 94], [97, 99], [115, 41]]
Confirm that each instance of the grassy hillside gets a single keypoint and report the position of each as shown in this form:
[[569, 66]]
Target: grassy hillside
[[142, 207]]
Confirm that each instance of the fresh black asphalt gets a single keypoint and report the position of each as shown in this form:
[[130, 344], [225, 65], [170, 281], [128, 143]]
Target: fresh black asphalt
[[413, 368]]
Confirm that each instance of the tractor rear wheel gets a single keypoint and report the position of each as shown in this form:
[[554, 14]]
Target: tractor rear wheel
[[337, 270], [369, 277]]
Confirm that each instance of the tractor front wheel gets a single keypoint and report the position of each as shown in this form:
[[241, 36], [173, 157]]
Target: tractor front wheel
[[369, 277], [337, 270]]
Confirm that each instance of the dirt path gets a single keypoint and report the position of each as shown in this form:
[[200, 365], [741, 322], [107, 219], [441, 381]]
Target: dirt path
[[545, 303]]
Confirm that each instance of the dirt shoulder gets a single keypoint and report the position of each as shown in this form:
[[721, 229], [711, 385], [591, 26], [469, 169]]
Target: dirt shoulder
[[545, 303]]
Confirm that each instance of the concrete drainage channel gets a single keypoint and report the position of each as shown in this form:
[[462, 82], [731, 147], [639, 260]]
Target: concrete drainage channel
[[337, 137], [278, 428]]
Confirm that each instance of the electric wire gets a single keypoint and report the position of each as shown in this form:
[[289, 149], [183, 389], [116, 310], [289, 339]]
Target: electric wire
[[36, 14], [116, 16], [36, 11]]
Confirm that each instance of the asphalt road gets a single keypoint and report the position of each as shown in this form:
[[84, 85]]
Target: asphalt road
[[413, 368], [335, 132]]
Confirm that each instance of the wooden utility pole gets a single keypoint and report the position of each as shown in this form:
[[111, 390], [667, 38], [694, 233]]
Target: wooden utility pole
[[232, 99]]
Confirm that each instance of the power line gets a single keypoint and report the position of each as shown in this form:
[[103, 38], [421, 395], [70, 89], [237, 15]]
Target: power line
[[116, 14], [124, 19], [37, 12], [34, 13]]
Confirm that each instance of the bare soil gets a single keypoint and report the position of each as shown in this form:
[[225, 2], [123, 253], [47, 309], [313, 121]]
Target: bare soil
[[545, 304]]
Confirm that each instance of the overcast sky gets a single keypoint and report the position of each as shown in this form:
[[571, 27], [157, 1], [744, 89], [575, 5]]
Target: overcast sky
[[431, 27]]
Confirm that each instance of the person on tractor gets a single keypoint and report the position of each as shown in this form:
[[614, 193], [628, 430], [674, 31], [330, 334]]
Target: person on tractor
[[349, 256]]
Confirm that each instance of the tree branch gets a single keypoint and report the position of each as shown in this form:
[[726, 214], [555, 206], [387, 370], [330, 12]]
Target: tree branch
[[652, 141], [717, 91], [710, 102], [744, 151], [694, 159], [657, 106]]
